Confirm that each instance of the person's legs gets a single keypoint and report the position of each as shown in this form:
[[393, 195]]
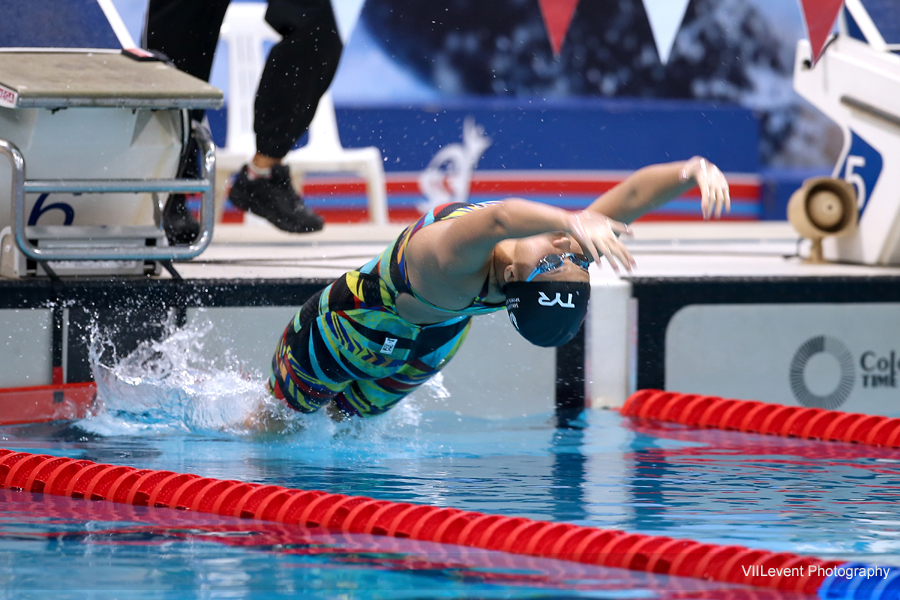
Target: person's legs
[[298, 71], [187, 32]]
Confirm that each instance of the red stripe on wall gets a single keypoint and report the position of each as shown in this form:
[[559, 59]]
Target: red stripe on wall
[[506, 186], [44, 403]]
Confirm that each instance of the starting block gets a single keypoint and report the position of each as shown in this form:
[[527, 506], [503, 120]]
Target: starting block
[[93, 140], [856, 83]]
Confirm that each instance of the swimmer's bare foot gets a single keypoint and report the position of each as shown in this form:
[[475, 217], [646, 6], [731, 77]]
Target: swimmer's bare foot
[[272, 416], [336, 414], [266, 417]]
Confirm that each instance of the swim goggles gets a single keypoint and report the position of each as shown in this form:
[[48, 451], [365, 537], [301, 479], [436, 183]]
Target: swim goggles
[[551, 262]]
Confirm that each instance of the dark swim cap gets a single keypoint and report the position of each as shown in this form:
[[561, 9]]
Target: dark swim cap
[[547, 313]]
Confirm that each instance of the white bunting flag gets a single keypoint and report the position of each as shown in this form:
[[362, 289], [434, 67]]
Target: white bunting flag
[[665, 21]]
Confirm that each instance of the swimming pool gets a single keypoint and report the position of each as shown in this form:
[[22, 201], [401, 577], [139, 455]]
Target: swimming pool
[[597, 468]]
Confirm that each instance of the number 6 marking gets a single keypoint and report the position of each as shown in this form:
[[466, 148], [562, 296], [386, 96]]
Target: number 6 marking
[[39, 209]]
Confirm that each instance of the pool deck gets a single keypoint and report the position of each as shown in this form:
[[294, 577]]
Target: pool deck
[[663, 250]]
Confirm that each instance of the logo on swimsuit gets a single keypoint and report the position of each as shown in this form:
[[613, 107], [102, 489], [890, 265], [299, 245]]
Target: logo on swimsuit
[[827, 345], [389, 345], [545, 300]]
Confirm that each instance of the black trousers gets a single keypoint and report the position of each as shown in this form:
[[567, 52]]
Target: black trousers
[[298, 71]]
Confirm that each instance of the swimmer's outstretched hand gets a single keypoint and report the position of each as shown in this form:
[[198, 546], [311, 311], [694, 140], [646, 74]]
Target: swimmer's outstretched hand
[[714, 194], [599, 235]]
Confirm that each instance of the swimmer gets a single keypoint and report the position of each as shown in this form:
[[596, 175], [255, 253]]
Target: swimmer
[[377, 333]]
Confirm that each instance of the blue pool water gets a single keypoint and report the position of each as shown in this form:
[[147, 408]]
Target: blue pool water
[[827, 500]]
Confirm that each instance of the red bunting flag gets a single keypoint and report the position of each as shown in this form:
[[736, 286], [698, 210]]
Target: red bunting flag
[[557, 16], [820, 16]]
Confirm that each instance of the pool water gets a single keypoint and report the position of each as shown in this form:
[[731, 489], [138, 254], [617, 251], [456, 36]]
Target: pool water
[[597, 468], [61, 548]]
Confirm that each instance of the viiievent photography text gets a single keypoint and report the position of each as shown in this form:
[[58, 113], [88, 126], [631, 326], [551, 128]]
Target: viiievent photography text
[[805, 571]]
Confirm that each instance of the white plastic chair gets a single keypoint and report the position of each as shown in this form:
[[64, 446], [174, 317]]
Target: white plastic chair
[[246, 33]]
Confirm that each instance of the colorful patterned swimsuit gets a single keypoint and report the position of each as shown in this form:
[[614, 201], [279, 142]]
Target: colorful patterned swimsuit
[[349, 345]]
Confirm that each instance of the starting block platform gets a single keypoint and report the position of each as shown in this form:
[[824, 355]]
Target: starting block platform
[[101, 134], [99, 79], [713, 308]]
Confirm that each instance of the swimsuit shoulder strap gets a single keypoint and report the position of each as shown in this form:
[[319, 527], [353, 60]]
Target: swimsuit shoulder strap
[[397, 267]]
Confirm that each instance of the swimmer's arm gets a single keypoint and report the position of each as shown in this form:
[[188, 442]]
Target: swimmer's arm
[[467, 243], [653, 186]]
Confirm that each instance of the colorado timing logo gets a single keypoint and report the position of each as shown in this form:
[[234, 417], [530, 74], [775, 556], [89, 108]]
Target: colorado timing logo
[[807, 350]]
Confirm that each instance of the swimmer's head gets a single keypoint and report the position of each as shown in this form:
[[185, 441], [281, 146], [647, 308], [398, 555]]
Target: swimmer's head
[[547, 287], [519, 258]]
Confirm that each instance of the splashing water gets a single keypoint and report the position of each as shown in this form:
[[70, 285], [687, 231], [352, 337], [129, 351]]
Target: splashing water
[[166, 387], [162, 387]]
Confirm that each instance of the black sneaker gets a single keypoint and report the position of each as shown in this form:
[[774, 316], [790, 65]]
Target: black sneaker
[[274, 199], [178, 222]]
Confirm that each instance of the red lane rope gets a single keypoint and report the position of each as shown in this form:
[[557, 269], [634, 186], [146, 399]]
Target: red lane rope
[[355, 514], [750, 416]]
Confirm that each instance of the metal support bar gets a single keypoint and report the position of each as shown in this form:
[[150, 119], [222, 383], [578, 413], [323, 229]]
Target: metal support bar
[[205, 186], [870, 110], [106, 186]]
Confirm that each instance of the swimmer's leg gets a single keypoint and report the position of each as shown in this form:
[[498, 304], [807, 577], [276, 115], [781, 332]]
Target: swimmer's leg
[[301, 391], [293, 378]]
